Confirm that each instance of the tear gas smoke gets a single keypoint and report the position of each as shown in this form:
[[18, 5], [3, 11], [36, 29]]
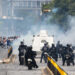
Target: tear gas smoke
[[29, 27], [68, 37], [27, 39]]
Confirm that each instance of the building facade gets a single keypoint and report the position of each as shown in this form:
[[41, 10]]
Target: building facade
[[18, 7], [0, 8], [25, 6]]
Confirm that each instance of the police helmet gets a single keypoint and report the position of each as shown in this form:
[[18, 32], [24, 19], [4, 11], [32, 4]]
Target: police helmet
[[46, 43], [68, 45], [30, 48], [53, 45], [22, 42]]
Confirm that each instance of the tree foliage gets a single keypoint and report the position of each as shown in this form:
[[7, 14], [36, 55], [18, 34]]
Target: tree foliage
[[48, 6], [65, 8]]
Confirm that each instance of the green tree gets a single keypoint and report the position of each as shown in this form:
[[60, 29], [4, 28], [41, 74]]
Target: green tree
[[64, 8]]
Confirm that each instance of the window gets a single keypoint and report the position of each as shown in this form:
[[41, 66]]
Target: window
[[34, 4], [25, 4], [29, 4], [38, 4]]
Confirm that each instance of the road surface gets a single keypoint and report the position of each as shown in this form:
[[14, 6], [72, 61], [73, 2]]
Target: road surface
[[16, 69]]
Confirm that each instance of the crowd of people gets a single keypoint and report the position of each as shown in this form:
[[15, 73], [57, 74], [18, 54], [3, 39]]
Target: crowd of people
[[6, 41], [27, 56], [58, 51]]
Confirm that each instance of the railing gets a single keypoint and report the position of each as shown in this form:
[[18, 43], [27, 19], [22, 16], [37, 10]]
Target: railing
[[54, 67]]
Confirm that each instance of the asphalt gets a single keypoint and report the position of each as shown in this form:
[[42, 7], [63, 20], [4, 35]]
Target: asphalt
[[16, 69], [69, 69]]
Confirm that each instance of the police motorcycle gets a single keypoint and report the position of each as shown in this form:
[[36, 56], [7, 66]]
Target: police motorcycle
[[30, 55], [31, 62], [69, 56], [69, 59]]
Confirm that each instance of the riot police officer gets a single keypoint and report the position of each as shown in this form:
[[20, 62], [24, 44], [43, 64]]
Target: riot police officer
[[69, 55], [22, 49], [72, 58], [44, 50], [59, 49], [53, 52], [63, 53], [68, 48]]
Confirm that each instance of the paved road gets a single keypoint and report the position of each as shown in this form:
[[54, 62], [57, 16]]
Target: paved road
[[3, 53], [15, 69], [69, 69]]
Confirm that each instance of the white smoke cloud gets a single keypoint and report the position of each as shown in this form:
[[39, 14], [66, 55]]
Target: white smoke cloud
[[30, 29], [59, 35], [27, 39], [69, 36]]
